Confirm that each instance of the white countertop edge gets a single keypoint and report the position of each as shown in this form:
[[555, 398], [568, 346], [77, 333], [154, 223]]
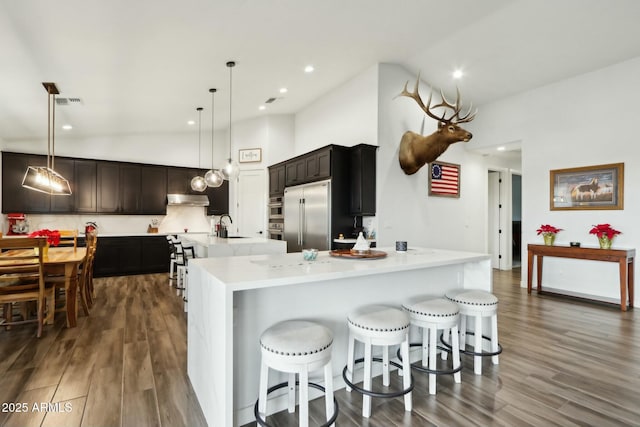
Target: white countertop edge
[[352, 268]]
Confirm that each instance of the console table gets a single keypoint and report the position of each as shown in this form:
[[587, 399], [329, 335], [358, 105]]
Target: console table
[[624, 257]]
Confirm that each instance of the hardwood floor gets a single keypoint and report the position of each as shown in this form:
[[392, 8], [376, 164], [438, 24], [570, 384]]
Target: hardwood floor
[[124, 365], [565, 363]]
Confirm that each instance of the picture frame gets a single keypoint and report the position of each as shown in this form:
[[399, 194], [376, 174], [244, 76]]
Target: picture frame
[[589, 187], [250, 155], [444, 179]]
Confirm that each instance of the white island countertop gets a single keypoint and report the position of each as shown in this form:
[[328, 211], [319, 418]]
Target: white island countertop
[[208, 246], [263, 271], [234, 299]]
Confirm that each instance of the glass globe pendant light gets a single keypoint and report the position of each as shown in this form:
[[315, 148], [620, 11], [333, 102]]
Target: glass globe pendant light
[[197, 182], [231, 170], [213, 178]]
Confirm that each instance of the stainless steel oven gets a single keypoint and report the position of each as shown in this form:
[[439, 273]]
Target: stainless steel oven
[[276, 218]]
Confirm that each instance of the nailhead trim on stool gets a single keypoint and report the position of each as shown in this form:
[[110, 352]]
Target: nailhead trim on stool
[[433, 315], [297, 347], [478, 304], [382, 326]]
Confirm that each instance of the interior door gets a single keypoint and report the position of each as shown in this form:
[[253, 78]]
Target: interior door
[[251, 206]]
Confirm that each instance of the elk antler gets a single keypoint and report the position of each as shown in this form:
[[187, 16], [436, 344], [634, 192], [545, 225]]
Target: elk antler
[[456, 107]]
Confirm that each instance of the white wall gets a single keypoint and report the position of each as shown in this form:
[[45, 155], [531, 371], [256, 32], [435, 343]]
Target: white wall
[[583, 121], [345, 116]]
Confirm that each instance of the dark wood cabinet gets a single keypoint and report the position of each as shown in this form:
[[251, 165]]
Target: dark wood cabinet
[[179, 180], [218, 199], [108, 184], [62, 204], [295, 172], [97, 186], [131, 255], [130, 189], [363, 180], [318, 165], [85, 186], [276, 180], [153, 187], [16, 198]]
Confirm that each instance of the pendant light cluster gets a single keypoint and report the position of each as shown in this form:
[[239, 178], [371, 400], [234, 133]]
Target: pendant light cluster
[[41, 178], [197, 182], [213, 177]]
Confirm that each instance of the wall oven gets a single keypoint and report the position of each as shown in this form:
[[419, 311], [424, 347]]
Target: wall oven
[[276, 218]]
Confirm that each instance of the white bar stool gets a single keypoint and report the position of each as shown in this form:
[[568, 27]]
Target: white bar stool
[[296, 347], [478, 304], [382, 326], [430, 316]]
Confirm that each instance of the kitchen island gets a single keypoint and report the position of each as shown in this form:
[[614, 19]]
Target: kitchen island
[[212, 246], [233, 300]]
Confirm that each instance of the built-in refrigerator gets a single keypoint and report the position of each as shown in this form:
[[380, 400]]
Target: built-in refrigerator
[[307, 216]]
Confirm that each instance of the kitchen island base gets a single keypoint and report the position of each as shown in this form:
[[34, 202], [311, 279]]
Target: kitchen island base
[[235, 299]]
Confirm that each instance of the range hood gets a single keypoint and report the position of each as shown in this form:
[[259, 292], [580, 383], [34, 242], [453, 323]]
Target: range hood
[[187, 200]]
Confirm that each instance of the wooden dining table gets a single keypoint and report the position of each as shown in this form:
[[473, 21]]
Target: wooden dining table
[[56, 261]]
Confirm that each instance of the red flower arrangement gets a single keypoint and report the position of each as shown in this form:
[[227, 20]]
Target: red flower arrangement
[[602, 230], [53, 236], [548, 229]]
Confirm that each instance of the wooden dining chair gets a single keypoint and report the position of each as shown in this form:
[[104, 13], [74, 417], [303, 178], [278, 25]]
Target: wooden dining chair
[[68, 238], [86, 284], [22, 282]]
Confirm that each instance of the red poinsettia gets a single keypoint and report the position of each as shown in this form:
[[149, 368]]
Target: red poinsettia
[[53, 236], [601, 230], [548, 229]]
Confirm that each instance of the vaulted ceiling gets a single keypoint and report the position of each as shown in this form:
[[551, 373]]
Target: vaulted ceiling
[[144, 66]]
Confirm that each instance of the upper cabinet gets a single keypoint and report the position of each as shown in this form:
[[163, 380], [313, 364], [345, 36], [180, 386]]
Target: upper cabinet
[[85, 186], [179, 180], [218, 199], [363, 180], [16, 198], [97, 187], [153, 185], [276, 180]]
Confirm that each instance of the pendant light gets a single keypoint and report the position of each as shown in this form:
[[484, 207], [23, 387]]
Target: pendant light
[[41, 178], [213, 177], [231, 169], [197, 182]]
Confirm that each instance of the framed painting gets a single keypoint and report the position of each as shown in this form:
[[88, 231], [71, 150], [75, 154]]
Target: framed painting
[[444, 179], [250, 155], [589, 187]]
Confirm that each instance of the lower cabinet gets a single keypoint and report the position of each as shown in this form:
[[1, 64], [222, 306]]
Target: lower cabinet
[[121, 256]]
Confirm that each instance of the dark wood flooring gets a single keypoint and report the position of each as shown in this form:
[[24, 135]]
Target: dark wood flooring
[[565, 363]]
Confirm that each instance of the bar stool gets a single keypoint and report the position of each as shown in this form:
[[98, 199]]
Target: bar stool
[[478, 304], [296, 347], [176, 258], [382, 326], [430, 316]]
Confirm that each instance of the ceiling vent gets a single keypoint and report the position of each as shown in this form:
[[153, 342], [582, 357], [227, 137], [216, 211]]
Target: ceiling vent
[[270, 100], [68, 101]]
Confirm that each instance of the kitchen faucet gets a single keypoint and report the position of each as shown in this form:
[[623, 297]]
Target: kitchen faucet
[[223, 231]]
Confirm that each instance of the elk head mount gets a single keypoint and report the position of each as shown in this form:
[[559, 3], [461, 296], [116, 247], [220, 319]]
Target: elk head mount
[[417, 150]]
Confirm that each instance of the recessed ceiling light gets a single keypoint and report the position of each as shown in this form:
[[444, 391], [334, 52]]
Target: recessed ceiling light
[[284, 90], [262, 107], [309, 69], [457, 74], [191, 122], [67, 127], [501, 148]]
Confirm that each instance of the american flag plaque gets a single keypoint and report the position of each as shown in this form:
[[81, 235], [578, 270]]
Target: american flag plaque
[[444, 179]]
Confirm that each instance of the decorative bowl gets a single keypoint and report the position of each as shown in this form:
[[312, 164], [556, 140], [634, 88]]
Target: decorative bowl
[[574, 244], [309, 254]]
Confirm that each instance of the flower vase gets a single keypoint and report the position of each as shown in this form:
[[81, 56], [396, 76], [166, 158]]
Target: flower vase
[[605, 242], [549, 238]]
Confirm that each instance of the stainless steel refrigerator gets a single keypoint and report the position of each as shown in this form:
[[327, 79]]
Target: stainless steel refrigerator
[[307, 216]]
